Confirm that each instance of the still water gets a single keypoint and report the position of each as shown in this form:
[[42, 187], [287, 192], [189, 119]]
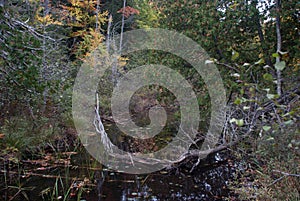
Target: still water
[[82, 178], [75, 175]]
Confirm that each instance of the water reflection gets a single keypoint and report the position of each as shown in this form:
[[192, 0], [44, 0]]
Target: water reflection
[[206, 182], [88, 180]]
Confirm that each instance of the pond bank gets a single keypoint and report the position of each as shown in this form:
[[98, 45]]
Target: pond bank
[[75, 175]]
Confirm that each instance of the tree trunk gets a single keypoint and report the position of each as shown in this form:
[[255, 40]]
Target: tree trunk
[[278, 35]]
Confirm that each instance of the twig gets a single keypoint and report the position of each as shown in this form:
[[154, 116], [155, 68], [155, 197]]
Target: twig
[[282, 177], [196, 164], [228, 66], [250, 124], [16, 82], [131, 159], [26, 26], [13, 197], [287, 174]]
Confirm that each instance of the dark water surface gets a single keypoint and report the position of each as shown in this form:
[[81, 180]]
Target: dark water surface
[[84, 179], [76, 175]]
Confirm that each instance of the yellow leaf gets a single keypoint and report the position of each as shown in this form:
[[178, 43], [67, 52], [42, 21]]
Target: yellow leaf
[[122, 61]]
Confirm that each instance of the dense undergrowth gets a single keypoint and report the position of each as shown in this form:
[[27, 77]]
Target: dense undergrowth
[[270, 160], [253, 44], [271, 166]]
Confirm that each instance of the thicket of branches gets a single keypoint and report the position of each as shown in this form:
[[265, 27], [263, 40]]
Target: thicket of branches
[[254, 44]]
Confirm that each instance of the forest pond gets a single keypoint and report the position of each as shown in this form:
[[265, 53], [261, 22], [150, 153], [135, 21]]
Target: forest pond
[[75, 175], [80, 177]]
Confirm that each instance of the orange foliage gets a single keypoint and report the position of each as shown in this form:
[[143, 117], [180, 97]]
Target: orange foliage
[[127, 11]]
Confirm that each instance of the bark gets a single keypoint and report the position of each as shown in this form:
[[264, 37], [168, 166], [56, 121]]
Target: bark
[[279, 42], [108, 34], [44, 63], [97, 15], [115, 62], [122, 28], [261, 35], [262, 42]]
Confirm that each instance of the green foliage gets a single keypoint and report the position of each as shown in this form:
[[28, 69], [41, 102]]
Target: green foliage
[[235, 55], [22, 133], [235, 33], [41, 47], [276, 153], [149, 14], [280, 65]]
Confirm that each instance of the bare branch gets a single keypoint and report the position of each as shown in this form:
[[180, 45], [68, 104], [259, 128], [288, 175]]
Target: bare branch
[[282, 177], [233, 133], [31, 29], [228, 66]]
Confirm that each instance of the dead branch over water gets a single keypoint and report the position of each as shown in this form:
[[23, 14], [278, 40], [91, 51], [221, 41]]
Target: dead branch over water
[[231, 135]]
